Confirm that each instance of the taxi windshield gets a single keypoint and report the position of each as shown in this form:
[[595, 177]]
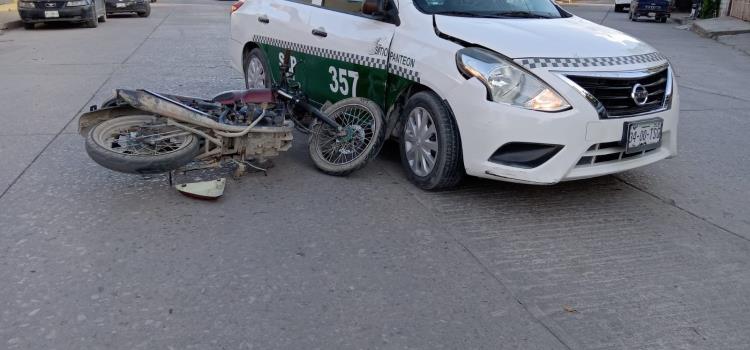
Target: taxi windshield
[[492, 8]]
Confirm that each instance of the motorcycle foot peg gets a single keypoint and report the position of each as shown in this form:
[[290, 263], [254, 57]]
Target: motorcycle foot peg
[[239, 171]]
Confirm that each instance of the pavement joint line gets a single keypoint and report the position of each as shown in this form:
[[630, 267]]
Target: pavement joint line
[[527, 308], [605, 16], [146, 39], [30, 134], [713, 109], [538, 317], [672, 203], [65, 127], [54, 138], [713, 93]]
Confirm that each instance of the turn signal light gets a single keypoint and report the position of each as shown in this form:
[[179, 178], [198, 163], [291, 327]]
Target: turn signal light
[[236, 6]]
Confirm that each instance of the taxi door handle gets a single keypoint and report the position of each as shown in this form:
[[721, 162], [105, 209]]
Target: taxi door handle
[[320, 32], [263, 19]]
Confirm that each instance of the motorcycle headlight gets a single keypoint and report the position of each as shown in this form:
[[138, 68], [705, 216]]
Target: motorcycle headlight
[[77, 3], [26, 4], [508, 83]]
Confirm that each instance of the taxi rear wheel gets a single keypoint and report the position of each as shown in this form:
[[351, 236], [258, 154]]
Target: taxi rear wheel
[[430, 143], [257, 74]]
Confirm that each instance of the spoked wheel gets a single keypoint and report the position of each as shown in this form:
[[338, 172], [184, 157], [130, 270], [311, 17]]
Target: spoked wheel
[[340, 154], [141, 144]]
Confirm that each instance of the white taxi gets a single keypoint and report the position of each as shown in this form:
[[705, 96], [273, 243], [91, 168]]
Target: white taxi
[[513, 90]]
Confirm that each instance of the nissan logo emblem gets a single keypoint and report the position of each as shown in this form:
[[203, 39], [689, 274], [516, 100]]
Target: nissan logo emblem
[[639, 94]]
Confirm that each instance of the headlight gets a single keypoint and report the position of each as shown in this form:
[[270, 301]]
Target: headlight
[[26, 5], [77, 3], [508, 83]]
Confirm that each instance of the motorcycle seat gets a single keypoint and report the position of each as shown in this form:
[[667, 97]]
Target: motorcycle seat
[[246, 96]]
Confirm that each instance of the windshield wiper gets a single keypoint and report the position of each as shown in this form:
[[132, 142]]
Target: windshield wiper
[[520, 14], [466, 14]]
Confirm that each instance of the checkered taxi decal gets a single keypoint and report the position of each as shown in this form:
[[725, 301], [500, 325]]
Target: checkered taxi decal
[[538, 62], [367, 61]]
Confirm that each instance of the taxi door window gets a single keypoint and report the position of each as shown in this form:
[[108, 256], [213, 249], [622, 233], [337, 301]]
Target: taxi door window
[[351, 6]]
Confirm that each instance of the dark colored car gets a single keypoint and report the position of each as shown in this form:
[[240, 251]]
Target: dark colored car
[[141, 7], [89, 12], [659, 10]]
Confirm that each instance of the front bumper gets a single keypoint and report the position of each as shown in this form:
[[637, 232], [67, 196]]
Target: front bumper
[[72, 14], [126, 6], [652, 13], [486, 126]]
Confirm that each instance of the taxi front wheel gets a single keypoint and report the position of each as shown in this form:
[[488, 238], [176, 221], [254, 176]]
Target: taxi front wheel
[[430, 143]]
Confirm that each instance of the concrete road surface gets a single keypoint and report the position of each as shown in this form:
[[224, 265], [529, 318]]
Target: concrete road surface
[[656, 258]]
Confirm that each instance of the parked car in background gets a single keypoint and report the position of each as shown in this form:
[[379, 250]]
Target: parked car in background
[[140, 7], [620, 5], [89, 12], [659, 10]]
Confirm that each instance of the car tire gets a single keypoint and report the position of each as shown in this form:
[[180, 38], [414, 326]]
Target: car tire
[[256, 68], [146, 13], [426, 113], [29, 26], [618, 8], [93, 22]]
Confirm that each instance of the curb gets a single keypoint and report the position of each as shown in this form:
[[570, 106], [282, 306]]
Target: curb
[[708, 27], [11, 25], [9, 16], [682, 20]]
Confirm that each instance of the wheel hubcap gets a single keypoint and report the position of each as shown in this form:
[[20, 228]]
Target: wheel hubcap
[[420, 140], [256, 74]]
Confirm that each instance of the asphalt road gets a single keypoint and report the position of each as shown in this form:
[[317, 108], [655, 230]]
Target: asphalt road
[[656, 258]]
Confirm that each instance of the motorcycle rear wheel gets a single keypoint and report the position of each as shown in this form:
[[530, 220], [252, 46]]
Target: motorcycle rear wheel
[[141, 144], [364, 124]]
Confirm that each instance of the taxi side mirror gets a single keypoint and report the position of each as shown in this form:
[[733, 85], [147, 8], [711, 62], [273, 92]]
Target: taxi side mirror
[[384, 10]]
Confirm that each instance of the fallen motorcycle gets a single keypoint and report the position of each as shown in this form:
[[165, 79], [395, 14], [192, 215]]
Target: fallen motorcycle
[[144, 132]]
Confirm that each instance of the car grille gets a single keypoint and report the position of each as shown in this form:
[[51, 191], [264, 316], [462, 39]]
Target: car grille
[[50, 5], [614, 93], [607, 152]]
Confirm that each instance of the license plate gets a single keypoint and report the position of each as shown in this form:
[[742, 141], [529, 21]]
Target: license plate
[[643, 135], [119, 4], [652, 14], [51, 14]]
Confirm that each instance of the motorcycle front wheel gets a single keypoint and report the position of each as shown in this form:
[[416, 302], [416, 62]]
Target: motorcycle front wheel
[[141, 144], [340, 154]]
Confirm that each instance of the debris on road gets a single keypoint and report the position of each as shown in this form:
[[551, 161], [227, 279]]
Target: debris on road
[[204, 189]]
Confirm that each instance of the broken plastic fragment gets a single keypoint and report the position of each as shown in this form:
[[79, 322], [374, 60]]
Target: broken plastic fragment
[[204, 189]]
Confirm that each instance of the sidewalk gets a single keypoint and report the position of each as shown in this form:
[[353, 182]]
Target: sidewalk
[[726, 30], [8, 15], [716, 27]]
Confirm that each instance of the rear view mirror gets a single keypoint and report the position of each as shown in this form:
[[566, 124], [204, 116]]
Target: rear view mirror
[[373, 7], [384, 10]]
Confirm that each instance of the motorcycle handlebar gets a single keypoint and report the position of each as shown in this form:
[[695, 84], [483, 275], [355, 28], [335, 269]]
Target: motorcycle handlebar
[[298, 102]]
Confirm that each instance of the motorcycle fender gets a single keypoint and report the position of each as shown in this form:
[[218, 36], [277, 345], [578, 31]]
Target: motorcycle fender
[[91, 119]]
